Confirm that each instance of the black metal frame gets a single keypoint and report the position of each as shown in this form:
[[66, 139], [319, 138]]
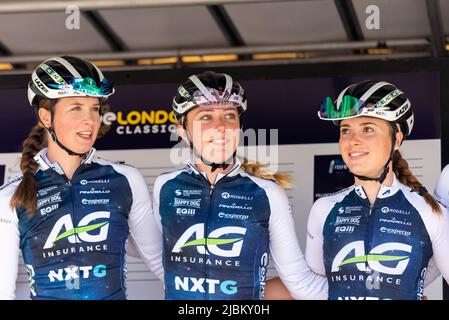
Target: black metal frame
[[436, 27], [4, 51], [227, 27], [105, 30], [348, 17]]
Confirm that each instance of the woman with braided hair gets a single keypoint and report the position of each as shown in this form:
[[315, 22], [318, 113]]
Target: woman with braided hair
[[220, 218], [69, 212], [374, 240]]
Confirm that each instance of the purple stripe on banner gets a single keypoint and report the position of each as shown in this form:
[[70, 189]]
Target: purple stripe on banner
[[139, 116]]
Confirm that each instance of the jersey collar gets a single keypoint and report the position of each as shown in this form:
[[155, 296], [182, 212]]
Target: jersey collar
[[384, 191], [233, 172], [45, 164]]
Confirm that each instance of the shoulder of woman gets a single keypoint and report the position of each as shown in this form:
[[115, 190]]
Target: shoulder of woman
[[328, 201], [262, 182], [8, 188], [166, 177]]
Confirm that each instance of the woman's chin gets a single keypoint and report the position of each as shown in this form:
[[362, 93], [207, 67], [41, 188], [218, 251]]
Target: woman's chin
[[364, 173], [357, 170], [220, 159], [83, 149]]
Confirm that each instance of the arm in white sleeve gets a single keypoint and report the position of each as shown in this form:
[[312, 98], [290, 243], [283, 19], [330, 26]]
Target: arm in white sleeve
[[441, 192], [438, 227], [287, 256], [9, 249], [156, 193], [314, 245], [432, 272], [144, 234]]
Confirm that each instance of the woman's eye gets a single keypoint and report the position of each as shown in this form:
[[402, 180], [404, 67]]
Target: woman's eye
[[205, 117], [344, 131], [96, 109], [368, 129], [76, 108], [231, 116]]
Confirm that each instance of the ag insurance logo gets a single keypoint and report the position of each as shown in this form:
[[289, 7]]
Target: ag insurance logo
[[195, 237]]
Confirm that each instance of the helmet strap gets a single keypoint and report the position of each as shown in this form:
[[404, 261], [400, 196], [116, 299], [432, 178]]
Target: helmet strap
[[54, 137], [214, 166]]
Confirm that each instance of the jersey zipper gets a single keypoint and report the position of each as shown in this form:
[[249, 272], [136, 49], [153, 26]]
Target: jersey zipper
[[206, 231], [206, 226], [74, 218], [369, 241]]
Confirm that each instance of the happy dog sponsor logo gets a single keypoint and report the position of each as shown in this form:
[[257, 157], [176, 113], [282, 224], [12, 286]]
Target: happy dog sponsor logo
[[188, 193], [94, 201], [193, 203], [354, 220], [99, 181], [95, 191], [51, 199]]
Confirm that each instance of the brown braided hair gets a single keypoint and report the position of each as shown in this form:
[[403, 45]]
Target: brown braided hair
[[26, 193], [405, 176]]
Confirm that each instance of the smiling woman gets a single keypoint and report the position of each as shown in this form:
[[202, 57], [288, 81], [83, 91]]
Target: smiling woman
[[221, 219], [365, 144], [69, 212], [374, 240]]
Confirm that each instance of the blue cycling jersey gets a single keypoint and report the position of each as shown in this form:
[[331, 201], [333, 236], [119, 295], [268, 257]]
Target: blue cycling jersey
[[74, 245], [218, 237], [378, 251]]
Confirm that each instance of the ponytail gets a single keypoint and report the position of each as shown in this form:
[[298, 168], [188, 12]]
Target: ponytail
[[405, 176], [25, 194], [260, 170]]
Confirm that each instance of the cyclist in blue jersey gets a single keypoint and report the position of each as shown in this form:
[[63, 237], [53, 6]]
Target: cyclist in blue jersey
[[374, 239], [221, 218], [70, 213]]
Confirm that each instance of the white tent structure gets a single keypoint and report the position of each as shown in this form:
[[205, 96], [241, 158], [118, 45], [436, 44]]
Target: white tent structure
[[180, 33]]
